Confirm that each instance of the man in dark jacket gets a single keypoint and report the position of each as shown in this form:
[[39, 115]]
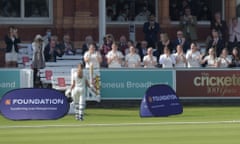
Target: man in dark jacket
[[151, 30]]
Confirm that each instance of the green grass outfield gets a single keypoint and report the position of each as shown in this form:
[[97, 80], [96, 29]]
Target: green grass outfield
[[197, 125]]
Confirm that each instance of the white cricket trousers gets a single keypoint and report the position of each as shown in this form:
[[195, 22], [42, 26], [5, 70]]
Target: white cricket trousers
[[79, 100]]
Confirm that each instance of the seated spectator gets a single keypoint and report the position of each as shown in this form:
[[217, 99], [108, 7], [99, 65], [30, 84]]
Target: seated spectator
[[210, 60], [234, 34], [67, 45], [47, 36], [142, 50], [220, 26], [92, 57], [129, 44], [132, 59], [51, 51], [106, 47], [114, 57], [122, 44], [216, 42], [193, 56], [167, 60], [180, 57], [181, 40], [149, 61], [85, 46], [59, 45], [235, 58], [164, 42], [225, 59]]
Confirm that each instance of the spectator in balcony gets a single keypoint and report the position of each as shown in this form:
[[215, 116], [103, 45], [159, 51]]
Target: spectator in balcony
[[220, 26], [167, 60], [183, 5], [122, 44], [164, 42], [225, 59], [188, 23], [149, 60], [123, 15], [216, 42], [110, 15], [88, 40], [114, 57], [235, 58], [67, 45], [174, 11], [181, 40], [52, 50], [193, 56], [151, 30], [180, 57], [132, 59], [205, 13], [92, 57], [38, 59], [211, 59], [12, 40], [234, 34], [143, 14]]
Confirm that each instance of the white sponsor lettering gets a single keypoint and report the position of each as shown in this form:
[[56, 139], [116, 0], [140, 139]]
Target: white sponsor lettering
[[37, 101], [7, 84]]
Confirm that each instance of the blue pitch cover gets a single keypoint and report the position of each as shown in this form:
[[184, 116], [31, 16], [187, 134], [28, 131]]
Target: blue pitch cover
[[160, 100], [34, 104]]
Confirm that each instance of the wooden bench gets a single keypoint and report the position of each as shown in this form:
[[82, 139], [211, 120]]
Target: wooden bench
[[64, 63], [70, 57]]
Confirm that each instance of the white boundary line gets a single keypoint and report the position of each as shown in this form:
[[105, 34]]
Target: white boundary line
[[122, 124]]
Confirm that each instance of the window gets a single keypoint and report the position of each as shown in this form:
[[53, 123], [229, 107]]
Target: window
[[202, 9], [125, 11], [26, 11], [238, 9]]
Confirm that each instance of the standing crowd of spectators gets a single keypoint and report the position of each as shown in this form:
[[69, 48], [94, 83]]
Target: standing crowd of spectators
[[156, 50]]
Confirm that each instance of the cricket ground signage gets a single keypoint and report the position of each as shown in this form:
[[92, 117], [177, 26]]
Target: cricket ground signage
[[132, 83], [15, 78], [160, 100], [208, 83], [34, 104]]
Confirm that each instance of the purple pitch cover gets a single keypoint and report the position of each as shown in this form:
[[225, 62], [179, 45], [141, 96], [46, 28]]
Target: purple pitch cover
[[34, 104], [160, 100]]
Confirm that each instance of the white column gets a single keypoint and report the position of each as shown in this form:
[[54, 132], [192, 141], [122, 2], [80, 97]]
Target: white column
[[102, 20]]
